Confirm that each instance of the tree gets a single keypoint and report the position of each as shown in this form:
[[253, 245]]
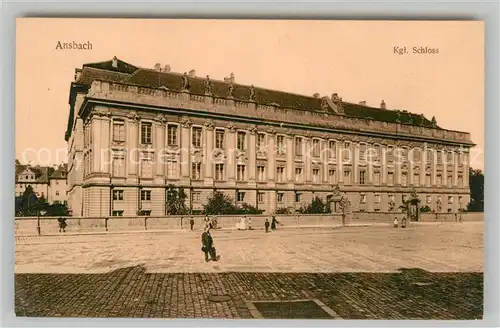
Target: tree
[[27, 203], [176, 200], [218, 204], [249, 209], [317, 206], [57, 209], [476, 183]]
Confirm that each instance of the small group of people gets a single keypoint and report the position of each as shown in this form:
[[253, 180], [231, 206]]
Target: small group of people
[[396, 222], [273, 224], [211, 222]]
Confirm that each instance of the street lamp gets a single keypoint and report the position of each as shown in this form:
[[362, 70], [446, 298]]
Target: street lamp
[[38, 228]]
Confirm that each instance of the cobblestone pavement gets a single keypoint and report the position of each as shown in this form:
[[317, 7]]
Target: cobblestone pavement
[[355, 272]]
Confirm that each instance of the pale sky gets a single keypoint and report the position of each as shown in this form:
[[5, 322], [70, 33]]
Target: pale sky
[[355, 59]]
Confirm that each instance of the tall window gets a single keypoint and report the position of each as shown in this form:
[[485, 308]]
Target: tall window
[[376, 178], [428, 156], [439, 157], [316, 148], [172, 135], [362, 198], [347, 177], [362, 152], [449, 157], [449, 181], [196, 171], [196, 137], [297, 197], [416, 179], [118, 130], [316, 176], [376, 153], [240, 196], [390, 178], [331, 176], [241, 140], [117, 194], [261, 173], [280, 174], [404, 179], [416, 155], [219, 139], [261, 142], [362, 177], [298, 174], [145, 195], [428, 199], [427, 179], [118, 166], [146, 136], [346, 152], [377, 198], [439, 180], [279, 197], [219, 172], [460, 181], [298, 146], [280, 145], [147, 165], [172, 170], [390, 154], [260, 197], [332, 149], [240, 172]]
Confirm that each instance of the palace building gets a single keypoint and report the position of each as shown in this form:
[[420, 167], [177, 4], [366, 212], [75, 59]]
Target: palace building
[[132, 131]]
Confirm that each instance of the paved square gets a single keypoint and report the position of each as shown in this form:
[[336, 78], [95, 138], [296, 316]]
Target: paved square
[[354, 271]]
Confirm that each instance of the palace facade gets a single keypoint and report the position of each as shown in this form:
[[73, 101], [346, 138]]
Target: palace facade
[[133, 131]]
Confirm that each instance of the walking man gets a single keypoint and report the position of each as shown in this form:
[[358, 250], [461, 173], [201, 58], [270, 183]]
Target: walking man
[[266, 225], [191, 223], [208, 246], [273, 223]]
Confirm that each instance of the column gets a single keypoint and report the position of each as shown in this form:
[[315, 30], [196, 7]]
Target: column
[[96, 143], [423, 164], [323, 145], [466, 169], [307, 155], [132, 131], [455, 169], [290, 151], [271, 159], [383, 164], [105, 144], [159, 145], [340, 162], [397, 165], [355, 162], [434, 167], [252, 153], [231, 154], [208, 154], [185, 149]]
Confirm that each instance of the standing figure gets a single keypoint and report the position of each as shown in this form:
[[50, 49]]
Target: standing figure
[[208, 246], [266, 225], [62, 224], [273, 223], [403, 222], [191, 223], [396, 222], [249, 223], [185, 81]]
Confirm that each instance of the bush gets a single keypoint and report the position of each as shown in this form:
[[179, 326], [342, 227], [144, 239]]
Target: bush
[[283, 210], [317, 206], [425, 209]]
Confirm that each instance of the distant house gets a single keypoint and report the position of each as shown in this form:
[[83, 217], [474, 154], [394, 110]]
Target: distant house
[[48, 182]]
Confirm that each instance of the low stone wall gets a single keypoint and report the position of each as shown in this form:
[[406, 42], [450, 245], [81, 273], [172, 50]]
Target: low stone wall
[[28, 226]]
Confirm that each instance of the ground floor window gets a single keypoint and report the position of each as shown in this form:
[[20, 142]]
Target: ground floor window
[[117, 213]]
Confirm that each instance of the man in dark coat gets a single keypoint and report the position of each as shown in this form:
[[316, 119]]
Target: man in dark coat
[[208, 246], [191, 223], [62, 224], [266, 225]]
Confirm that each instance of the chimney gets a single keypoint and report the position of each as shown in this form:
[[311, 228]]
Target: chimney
[[362, 103], [192, 73], [335, 97], [78, 73], [167, 68], [382, 105], [158, 67], [115, 62], [231, 77], [316, 95]]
